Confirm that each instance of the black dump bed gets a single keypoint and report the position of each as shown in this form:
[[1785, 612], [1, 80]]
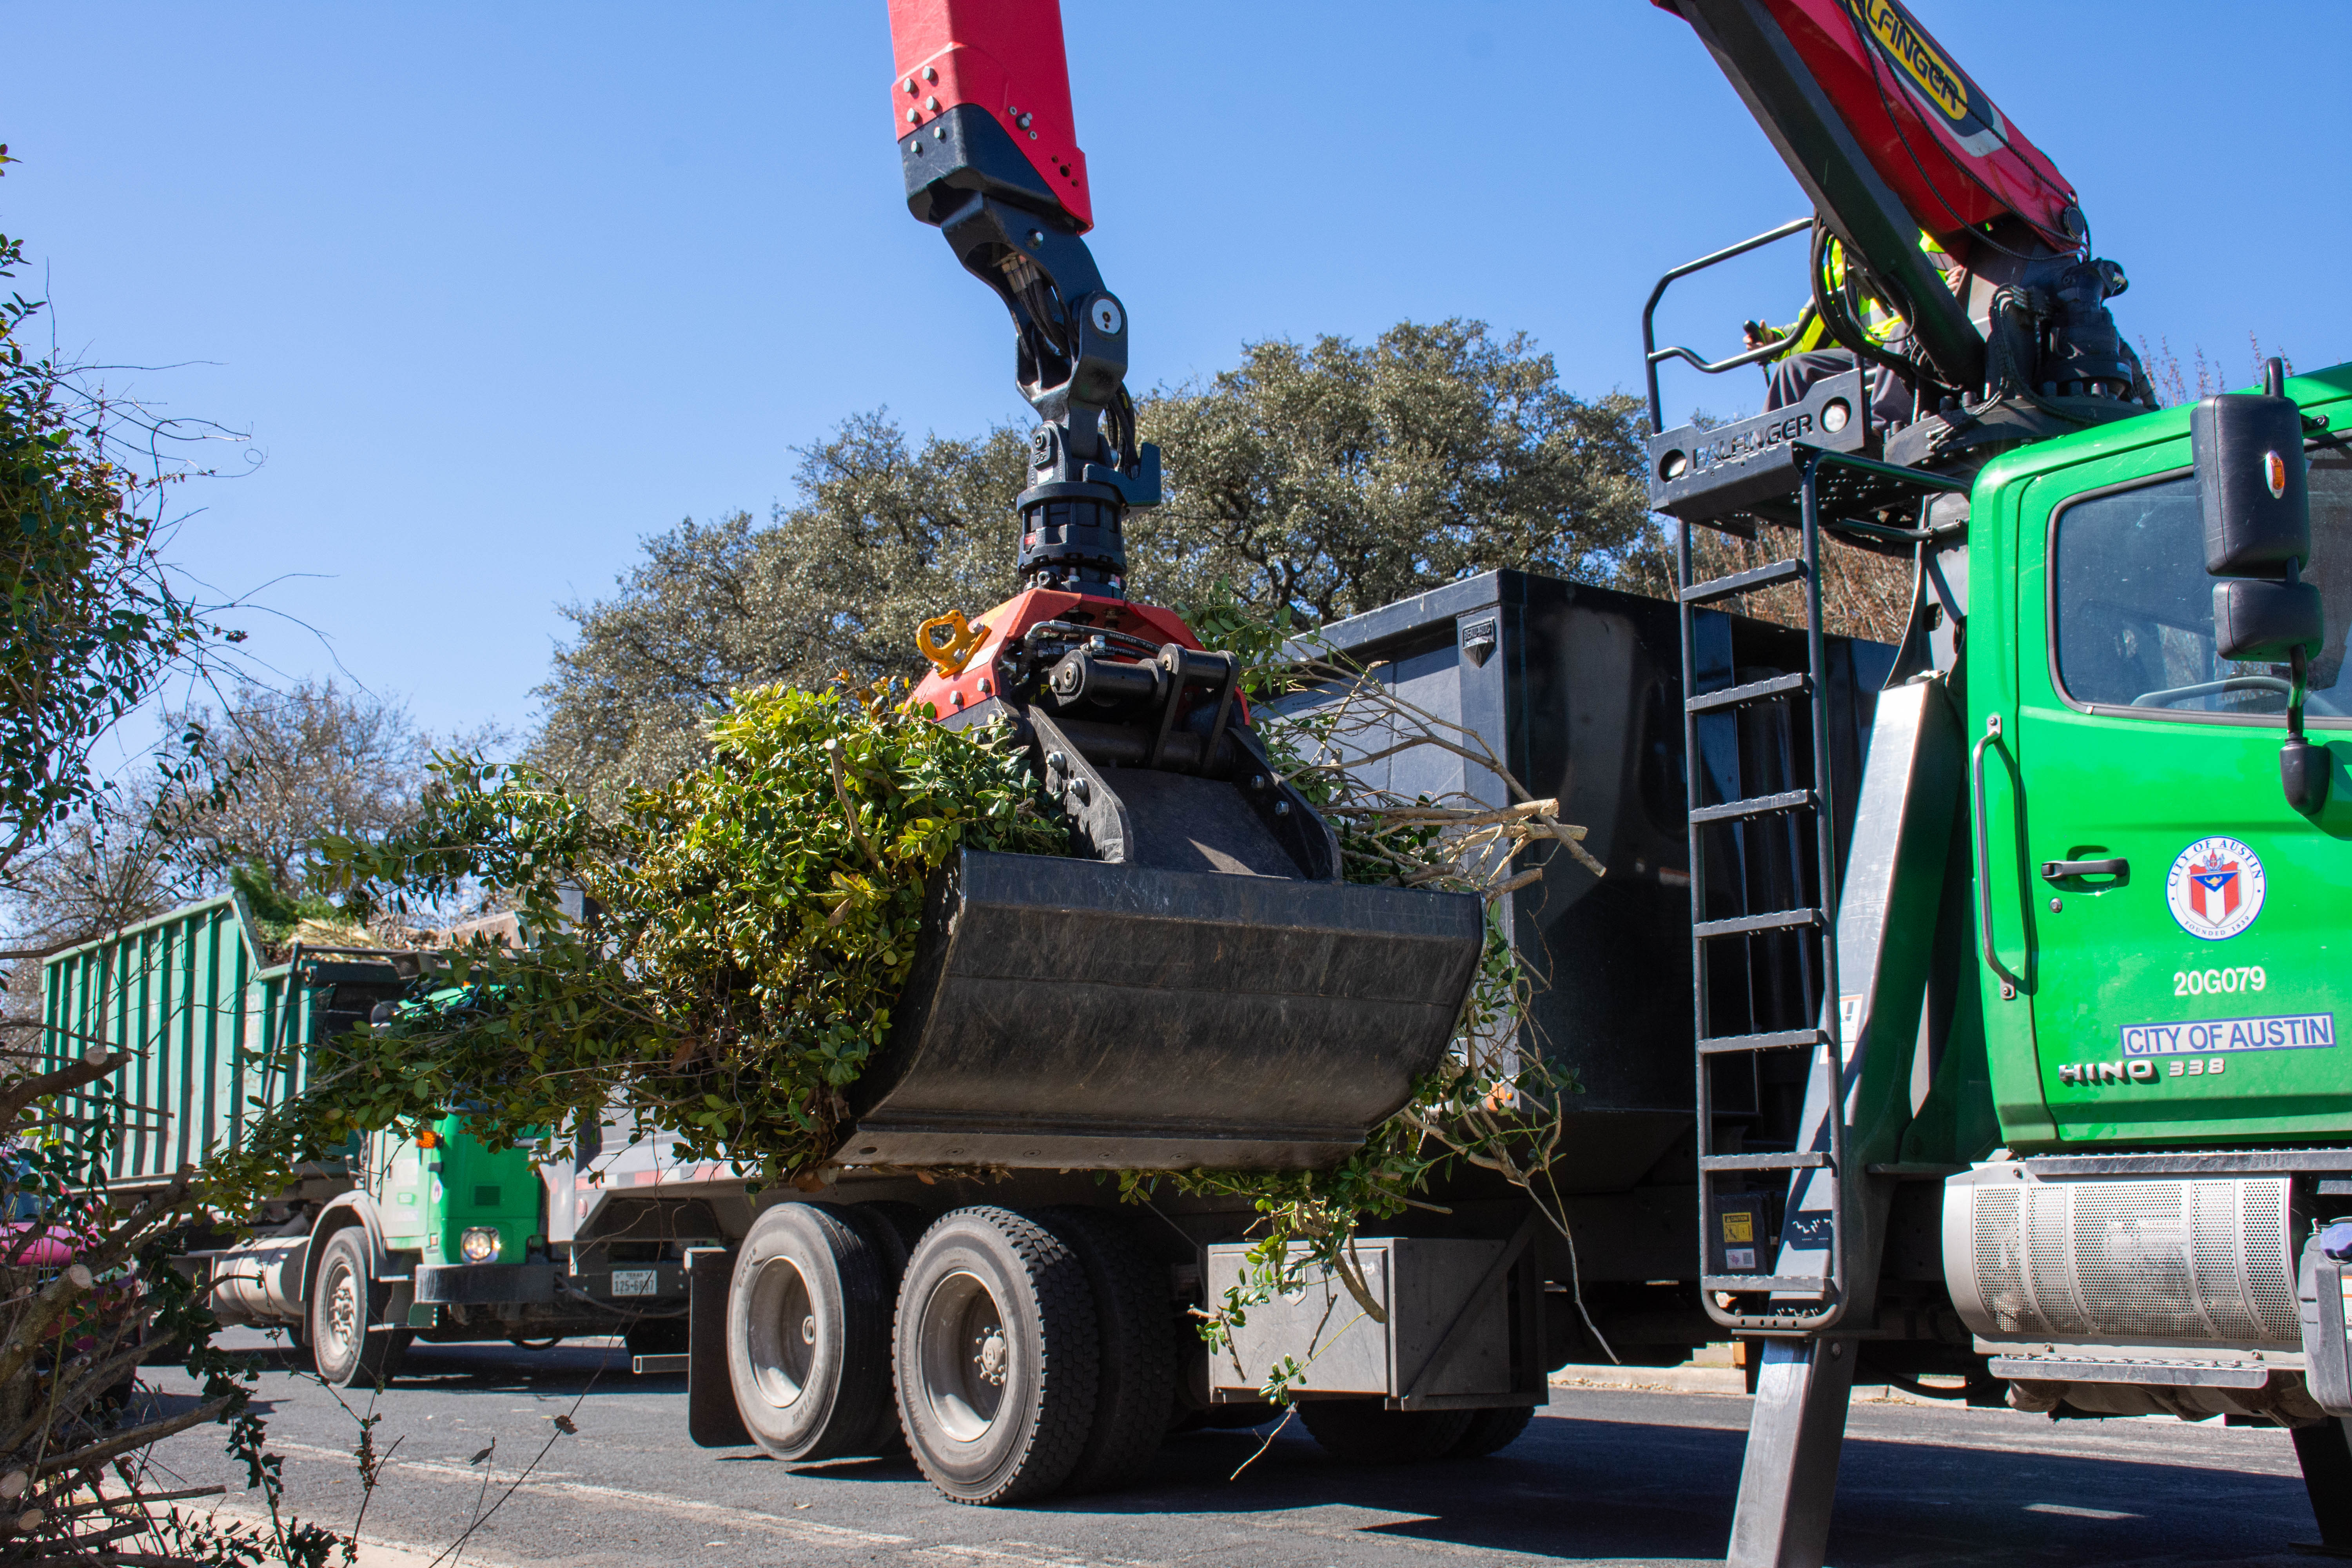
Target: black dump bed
[[1579, 689]]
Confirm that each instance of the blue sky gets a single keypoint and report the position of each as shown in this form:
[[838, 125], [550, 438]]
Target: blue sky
[[498, 290]]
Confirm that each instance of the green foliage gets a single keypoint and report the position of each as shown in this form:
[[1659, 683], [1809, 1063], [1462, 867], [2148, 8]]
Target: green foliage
[[87, 621], [755, 921], [278, 910], [1259, 638]]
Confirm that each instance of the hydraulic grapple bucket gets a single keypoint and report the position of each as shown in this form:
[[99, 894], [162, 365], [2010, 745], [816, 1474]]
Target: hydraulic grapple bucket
[[1194, 985], [1076, 1014]]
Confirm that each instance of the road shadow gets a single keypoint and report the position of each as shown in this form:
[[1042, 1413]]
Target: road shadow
[[1595, 1477], [1580, 1489], [1540, 1497], [559, 1372]]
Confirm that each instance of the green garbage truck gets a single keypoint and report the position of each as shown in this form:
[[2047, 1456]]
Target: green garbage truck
[[390, 1238]]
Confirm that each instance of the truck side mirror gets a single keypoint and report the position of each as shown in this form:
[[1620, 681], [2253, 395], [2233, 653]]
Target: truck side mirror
[[2264, 621], [2248, 447]]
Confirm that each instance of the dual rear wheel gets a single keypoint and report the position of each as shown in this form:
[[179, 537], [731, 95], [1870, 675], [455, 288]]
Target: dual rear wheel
[[998, 1357], [1015, 1355], [808, 1328]]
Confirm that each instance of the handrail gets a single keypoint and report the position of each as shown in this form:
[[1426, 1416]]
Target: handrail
[[1650, 350], [1776, 347], [2011, 983]]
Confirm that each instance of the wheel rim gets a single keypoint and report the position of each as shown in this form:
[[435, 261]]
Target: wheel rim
[[966, 1358], [783, 1332], [342, 1325]]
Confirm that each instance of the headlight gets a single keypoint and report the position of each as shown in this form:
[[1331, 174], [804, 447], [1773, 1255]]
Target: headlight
[[479, 1244]]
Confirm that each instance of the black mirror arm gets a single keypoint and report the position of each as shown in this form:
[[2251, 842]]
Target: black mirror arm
[[2303, 768]]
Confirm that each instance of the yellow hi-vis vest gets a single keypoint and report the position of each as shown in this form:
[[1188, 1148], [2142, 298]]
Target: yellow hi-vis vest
[[1878, 318]]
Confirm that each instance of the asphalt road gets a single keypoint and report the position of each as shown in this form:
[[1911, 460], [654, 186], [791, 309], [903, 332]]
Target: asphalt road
[[1615, 1477]]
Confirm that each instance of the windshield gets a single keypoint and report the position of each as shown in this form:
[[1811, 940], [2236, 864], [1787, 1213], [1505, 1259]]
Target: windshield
[[2133, 605]]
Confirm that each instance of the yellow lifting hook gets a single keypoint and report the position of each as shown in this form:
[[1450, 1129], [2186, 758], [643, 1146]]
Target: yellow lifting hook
[[947, 642]]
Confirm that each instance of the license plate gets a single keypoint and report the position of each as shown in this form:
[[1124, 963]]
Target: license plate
[[635, 1281]]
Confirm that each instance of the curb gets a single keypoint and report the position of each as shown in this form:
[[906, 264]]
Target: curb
[[1720, 1380], [1653, 1379]]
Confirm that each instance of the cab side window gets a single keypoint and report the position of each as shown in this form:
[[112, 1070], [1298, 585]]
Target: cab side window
[[2132, 608]]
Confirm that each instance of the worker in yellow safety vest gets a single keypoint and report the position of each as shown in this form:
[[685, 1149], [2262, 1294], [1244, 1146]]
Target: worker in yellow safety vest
[[1812, 356]]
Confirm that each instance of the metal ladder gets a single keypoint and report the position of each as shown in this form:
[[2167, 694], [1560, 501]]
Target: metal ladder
[[1807, 1300], [1825, 1269]]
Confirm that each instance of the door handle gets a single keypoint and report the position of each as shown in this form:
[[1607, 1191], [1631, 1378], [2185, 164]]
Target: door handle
[[2114, 865]]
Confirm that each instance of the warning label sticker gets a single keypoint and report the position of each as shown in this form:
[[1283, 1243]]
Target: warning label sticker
[[2290, 1032]]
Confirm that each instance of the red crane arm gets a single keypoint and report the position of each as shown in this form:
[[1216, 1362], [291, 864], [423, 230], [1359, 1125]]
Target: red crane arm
[[990, 157], [1889, 137], [1004, 56], [1932, 133]]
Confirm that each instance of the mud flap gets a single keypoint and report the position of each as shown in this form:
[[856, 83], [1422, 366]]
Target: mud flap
[[2327, 1360], [711, 1418]]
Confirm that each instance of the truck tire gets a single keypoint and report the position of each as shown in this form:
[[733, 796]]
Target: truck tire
[[895, 1228], [345, 1304], [994, 1357], [1136, 1377], [1491, 1431], [1362, 1432], [808, 1334]]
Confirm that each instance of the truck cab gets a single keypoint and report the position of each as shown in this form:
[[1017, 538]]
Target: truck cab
[[2165, 926]]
